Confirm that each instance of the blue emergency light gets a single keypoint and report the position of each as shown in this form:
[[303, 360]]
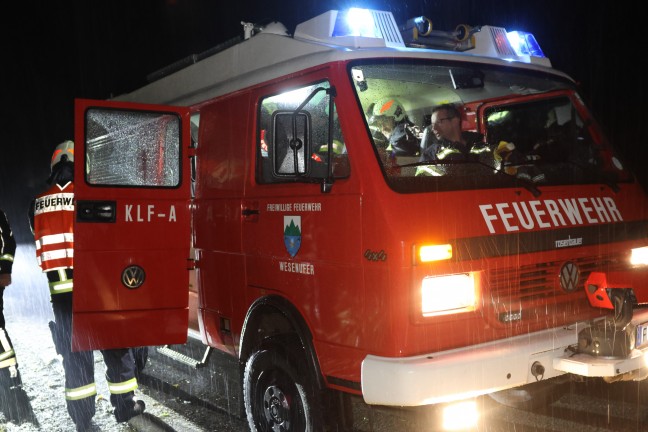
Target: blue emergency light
[[355, 22], [524, 43], [357, 28], [368, 28]]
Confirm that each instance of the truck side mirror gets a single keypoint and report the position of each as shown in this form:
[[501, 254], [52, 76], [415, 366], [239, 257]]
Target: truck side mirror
[[291, 139]]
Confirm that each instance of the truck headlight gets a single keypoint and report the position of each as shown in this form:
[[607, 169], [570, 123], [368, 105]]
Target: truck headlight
[[639, 256], [448, 294]]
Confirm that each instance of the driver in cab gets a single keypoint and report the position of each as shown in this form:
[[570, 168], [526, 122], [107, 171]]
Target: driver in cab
[[450, 142]]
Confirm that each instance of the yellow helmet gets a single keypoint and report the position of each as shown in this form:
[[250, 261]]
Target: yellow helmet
[[389, 108]]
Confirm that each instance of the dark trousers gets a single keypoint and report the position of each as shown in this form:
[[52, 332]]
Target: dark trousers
[[79, 366], [2, 318], [7, 345]]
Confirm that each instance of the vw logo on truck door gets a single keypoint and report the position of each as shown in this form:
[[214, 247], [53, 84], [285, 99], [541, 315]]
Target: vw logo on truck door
[[569, 275], [133, 276]]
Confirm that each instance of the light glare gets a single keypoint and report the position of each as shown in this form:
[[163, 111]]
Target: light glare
[[361, 23], [444, 294], [524, 43], [639, 256], [460, 416], [429, 253]]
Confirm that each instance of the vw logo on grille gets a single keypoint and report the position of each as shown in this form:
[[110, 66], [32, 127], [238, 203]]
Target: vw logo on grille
[[569, 275], [133, 276]]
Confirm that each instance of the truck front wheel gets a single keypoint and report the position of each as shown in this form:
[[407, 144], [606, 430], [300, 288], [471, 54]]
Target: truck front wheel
[[276, 393]]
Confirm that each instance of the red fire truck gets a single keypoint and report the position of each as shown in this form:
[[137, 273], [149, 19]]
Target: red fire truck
[[329, 263]]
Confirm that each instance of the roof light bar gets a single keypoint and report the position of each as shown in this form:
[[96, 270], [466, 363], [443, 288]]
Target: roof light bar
[[355, 22], [524, 43], [357, 28], [516, 46], [368, 28]]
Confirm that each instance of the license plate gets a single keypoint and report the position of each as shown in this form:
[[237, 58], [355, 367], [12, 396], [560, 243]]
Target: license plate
[[642, 334]]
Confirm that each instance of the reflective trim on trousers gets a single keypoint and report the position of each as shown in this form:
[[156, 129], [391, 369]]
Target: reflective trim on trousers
[[6, 257], [123, 387], [60, 287], [81, 392], [7, 353], [9, 362]]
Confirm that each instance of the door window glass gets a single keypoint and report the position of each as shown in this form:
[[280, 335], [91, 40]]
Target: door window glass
[[129, 148]]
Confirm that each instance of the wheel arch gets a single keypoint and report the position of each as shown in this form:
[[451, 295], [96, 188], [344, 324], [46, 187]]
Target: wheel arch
[[274, 316]]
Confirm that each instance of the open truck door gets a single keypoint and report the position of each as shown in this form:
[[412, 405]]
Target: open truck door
[[132, 226]]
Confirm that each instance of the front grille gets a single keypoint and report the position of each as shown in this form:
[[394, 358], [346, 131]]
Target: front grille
[[541, 280]]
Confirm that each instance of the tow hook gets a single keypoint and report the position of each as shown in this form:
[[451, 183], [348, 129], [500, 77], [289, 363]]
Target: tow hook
[[618, 297], [537, 370], [605, 339]]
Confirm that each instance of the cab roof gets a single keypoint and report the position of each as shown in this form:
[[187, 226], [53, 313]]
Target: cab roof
[[269, 52]]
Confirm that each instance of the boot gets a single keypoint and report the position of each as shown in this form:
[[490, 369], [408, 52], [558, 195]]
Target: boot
[[10, 378], [84, 425], [124, 414]]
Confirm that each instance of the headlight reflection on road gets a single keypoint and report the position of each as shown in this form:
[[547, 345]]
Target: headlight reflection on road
[[460, 416]]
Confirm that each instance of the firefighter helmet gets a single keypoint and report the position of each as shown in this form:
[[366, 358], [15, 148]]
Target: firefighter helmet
[[389, 108], [63, 152]]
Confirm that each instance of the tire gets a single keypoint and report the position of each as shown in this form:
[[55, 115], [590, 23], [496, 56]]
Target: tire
[[278, 396]]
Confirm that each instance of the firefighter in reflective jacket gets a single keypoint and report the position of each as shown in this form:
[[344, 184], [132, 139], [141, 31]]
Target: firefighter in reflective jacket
[[9, 374], [51, 217]]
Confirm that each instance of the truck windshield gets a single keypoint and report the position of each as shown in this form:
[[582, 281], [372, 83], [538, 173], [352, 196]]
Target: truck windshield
[[518, 127]]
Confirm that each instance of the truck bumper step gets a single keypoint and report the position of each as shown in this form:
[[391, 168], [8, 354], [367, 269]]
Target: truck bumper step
[[183, 358]]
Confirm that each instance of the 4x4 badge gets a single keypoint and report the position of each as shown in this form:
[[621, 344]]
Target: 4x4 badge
[[133, 276]]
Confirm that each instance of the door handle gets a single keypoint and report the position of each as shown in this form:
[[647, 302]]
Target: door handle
[[96, 211], [249, 212]]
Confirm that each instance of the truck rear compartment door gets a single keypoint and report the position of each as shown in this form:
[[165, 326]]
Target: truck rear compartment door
[[132, 226]]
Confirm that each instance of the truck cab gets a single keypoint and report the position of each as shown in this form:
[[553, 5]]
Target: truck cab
[[248, 193]]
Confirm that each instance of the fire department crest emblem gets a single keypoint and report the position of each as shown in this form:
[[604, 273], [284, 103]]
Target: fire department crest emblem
[[292, 234]]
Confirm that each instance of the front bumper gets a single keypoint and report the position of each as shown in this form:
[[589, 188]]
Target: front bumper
[[486, 368]]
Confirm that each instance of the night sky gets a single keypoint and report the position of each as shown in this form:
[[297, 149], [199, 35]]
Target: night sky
[[56, 51]]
